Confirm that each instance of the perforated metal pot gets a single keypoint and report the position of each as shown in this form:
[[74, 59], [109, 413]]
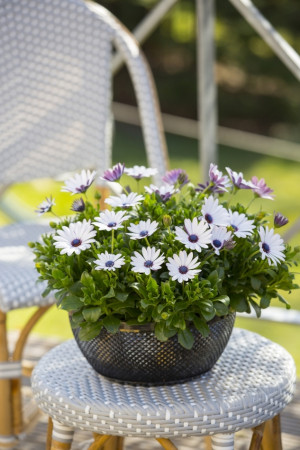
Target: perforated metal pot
[[135, 355]]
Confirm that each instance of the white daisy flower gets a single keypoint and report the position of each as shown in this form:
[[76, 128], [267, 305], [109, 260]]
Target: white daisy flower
[[45, 206], [80, 182], [108, 261], [149, 260], [219, 236], [139, 172], [75, 238], [165, 191], [110, 220], [242, 226], [142, 229], [213, 213], [195, 235], [182, 267], [271, 245], [124, 201]]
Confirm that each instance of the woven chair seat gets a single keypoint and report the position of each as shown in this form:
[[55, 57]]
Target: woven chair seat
[[18, 276], [251, 383]]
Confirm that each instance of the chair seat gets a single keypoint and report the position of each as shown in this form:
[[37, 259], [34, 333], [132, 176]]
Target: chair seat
[[251, 383], [18, 276]]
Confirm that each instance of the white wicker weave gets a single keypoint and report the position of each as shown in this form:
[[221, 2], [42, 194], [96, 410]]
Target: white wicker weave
[[55, 89], [251, 383]]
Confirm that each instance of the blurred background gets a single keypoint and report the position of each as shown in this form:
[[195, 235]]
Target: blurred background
[[256, 94]]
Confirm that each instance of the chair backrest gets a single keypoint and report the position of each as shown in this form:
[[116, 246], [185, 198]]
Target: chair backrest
[[55, 89]]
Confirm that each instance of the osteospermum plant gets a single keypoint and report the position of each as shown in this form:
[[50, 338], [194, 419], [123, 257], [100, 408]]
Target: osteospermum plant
[[175, 254]]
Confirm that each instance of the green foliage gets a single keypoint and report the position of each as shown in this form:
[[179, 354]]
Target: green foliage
[[235, 278]]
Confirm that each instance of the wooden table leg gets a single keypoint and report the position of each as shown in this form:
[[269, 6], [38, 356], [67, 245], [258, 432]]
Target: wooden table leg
[[166, 444], [222, 442], [62, 436], [257, 436], [272, 435], [6, 414]]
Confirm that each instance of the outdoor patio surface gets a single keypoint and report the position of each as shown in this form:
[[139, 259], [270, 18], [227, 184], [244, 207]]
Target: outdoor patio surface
[[36, 438]]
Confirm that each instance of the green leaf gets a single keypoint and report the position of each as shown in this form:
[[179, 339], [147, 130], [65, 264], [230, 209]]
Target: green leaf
[[213, 277], [283, 300], [122, 296], [255, 307], [87, 280], [221, 308], [265, 301], [255, 283], [71, 303], [110, 294], [46, 291], [162, 333], [111, 323], [57, 274], [186, 338], [201, 326], [223, 299], [89, 331], [92, 314]]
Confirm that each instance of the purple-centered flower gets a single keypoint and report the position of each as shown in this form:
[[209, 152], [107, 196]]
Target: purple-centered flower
[[45, 206], [78, 205], [80, 182], [115, 173], [238, 180], [220, 181], [280, 220], [260, 188], [165, 192], [176, 177], [139, 172], [271, 246]]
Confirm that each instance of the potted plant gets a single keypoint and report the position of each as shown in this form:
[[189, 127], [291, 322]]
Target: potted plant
[[152, 282]]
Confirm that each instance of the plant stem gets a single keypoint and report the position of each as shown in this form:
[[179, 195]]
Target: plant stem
[[147, 241], [112, 240]]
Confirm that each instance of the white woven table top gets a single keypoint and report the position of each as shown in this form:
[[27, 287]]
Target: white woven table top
[[252, 382]]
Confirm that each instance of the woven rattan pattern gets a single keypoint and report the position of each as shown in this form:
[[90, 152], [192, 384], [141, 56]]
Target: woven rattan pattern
[[251, 382], [137, 356]]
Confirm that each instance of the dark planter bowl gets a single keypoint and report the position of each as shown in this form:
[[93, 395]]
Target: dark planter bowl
[[134, 355]]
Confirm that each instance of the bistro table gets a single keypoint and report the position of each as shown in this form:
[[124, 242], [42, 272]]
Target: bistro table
[[247, 388]]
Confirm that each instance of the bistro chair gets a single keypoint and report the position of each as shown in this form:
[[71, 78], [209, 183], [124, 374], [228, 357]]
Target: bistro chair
[[55, 117]]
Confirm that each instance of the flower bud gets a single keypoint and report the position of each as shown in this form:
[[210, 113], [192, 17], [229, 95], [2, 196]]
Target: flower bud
[[167, 220], [31, 244], [53, 224], [280, 220]]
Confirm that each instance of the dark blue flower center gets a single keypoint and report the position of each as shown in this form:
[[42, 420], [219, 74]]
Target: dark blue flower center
[[148, 263], [234, 227], [111, 224], [208, 218], [183, 270], [217, 243], [193, 238], [76, 242], [109, 263], [266, 247], [144, 233]]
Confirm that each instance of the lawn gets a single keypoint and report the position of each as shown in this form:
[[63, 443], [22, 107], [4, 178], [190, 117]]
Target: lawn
[[281, 175]]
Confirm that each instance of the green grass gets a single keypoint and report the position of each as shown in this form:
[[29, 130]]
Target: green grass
[[281, 175]]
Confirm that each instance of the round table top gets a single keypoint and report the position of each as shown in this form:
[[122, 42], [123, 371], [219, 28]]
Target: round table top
[[251, 382]]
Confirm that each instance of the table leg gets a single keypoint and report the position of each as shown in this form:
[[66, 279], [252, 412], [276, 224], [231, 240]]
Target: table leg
[[166, 444], [222, 442], [62, 436], [272, 435]]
